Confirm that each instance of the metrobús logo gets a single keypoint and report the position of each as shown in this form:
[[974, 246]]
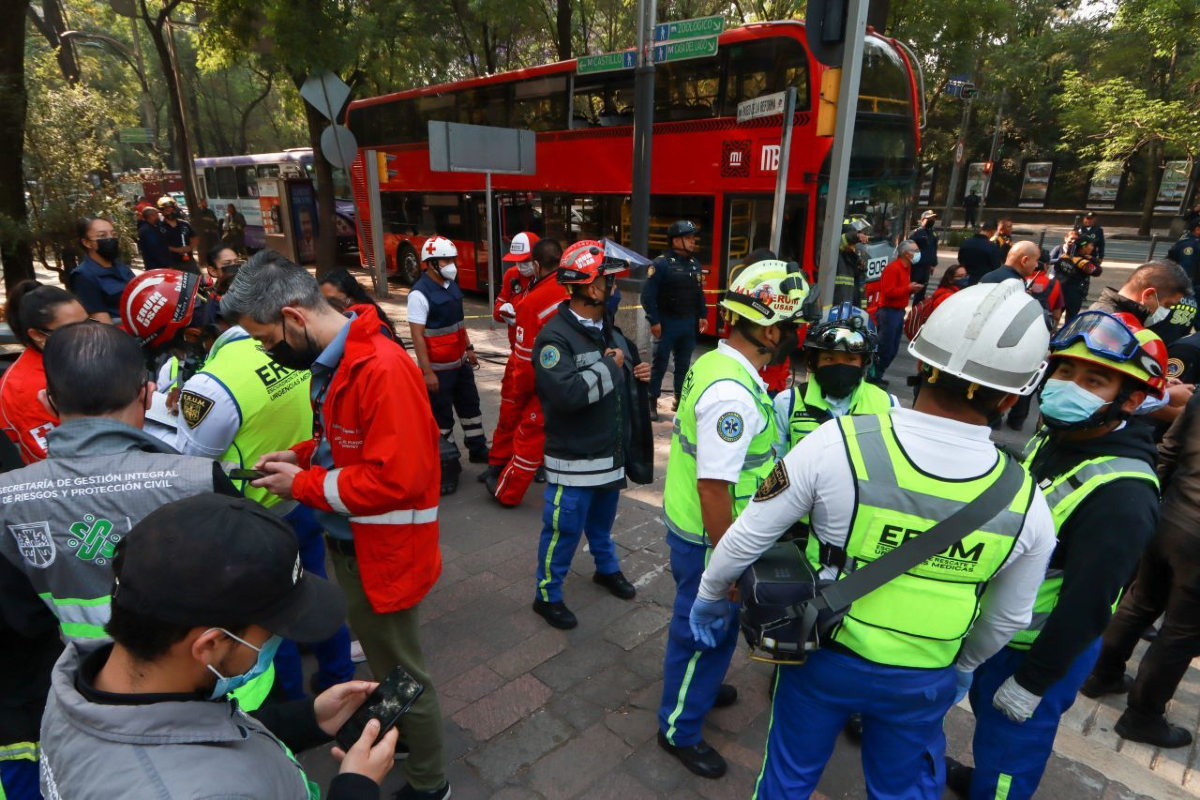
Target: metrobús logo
[[155, 302], [735, 158]]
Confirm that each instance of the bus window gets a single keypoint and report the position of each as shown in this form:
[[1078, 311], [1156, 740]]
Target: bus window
[[210, 183], [686, 89], [247, 182], [765, 66], [600, 217], [665, 210], [227, 187], [556, 217], [540, 104], [748, 228], [885, 87], [268, 170], [443, 214], [604, 99], [487, 105], [437, 107]]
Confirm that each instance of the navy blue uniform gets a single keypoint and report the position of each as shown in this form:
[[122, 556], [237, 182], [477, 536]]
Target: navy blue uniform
[[1186, 253], [1097, 233], [674, 298]]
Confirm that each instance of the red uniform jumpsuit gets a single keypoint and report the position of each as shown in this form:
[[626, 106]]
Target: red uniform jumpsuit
[[540, 303], [512, 290]]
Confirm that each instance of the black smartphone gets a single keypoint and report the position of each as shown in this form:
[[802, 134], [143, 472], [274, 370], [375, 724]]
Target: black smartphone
[[245, 474], [387, 704]]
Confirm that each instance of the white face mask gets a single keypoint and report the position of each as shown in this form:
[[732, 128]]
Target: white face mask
[[525, 268], [916, 257], [448, 271], [1160, 313]]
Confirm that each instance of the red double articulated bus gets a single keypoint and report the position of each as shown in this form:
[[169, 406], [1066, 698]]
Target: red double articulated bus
[[706, 167]]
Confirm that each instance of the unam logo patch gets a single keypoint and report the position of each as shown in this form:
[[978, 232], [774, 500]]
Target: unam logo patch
[[730, 426], [550, 357]]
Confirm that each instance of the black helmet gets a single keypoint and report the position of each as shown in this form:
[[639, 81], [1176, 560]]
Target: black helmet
[[682, 228]]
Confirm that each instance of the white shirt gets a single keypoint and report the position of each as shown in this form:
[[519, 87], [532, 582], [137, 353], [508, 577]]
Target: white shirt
[[594, 324], [418, 306], [821, 483], [727, 419]]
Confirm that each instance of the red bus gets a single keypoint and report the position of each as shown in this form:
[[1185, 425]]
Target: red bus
[[706, 167]]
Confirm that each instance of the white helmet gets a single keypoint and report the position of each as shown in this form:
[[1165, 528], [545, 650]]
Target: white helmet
[[991, 334], [438, 247]]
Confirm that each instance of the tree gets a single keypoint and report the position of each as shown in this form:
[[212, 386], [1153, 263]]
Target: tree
[[52, 24], [14, 235]]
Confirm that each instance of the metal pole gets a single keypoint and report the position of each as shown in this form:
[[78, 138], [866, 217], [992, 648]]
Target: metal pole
[[491, 251], [643, 127], [956, 171], [839, 165], [148, 117], [375, 210], [781, 174], [995, 146]]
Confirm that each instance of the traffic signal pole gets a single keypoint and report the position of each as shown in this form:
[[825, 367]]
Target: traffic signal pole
[[995, 147], [643, 127], [956, 170]]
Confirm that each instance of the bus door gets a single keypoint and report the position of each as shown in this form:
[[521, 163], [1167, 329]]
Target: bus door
[[748, 228]]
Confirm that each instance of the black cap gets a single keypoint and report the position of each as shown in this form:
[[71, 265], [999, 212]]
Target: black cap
[[225, 562]]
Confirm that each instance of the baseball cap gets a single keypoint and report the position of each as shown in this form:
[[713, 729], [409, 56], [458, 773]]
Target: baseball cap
[[928, 214], [522, 247], [224, 562]]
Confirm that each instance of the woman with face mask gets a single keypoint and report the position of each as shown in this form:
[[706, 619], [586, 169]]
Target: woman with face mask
[[343, 290], [100, 278], [34, 312]]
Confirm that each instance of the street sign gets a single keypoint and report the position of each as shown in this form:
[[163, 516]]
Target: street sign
[[606, 62], [326, 92], [339, 146], [766, 106], [702, 47], [967, 91], [135, 136], [958, 152], [689, 28]]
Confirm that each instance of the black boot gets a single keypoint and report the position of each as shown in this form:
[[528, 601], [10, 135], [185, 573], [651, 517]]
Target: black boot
[[616, 583], [557, 614], [1096, 686], [478, 454], [1151, 729], [540, 475], [654, 409], [699, 758], [958, 777], [727, 695], [853, 729], [493, 470]]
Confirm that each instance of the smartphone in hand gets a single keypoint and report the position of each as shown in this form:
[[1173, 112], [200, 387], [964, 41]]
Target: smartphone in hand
[[390, 700], [245, 474]]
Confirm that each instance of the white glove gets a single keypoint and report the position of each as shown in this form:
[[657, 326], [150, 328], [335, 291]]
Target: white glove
[[508, 312], [1018, 704]]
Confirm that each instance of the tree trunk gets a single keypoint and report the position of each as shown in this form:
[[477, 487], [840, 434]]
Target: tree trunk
[[326, 214], [15, 253], [1154, 169], [52, 13], [564, 30]]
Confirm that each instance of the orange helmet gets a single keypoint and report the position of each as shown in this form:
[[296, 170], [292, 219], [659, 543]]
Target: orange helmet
[[585, 261], [158, 304]]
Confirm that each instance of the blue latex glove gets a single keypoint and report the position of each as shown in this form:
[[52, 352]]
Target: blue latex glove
[[707, 619], [962, 684], [1017, 703]]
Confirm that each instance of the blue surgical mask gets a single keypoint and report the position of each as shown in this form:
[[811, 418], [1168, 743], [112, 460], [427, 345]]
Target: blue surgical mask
[[266, 654], [1067, 401]]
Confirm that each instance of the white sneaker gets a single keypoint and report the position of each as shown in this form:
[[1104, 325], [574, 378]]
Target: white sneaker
[[356, 652]]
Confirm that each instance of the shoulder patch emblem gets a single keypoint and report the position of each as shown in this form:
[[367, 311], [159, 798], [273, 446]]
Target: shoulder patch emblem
[[194, 407], [775, 484], [1187, 251], [1174, 367], [650, 271], [550, 357], [730, 426]]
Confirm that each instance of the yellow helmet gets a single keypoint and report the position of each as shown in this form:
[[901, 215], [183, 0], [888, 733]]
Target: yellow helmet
[[767, 293]]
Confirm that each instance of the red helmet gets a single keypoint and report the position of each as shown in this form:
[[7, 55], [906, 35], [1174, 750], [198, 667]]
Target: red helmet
[[158, 304], [585, 261]]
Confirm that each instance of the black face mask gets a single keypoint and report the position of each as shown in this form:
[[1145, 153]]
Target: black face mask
[[838, 380], [108, 249], [285, 355], [963, 282], [789, 340]]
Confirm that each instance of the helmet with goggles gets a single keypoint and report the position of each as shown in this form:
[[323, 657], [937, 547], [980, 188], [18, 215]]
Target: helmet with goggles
[[584, 262], [1118, 343], [847, 329], [767, 293]]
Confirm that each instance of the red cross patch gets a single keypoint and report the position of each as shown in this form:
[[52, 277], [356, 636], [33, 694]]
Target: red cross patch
[[429, 247]]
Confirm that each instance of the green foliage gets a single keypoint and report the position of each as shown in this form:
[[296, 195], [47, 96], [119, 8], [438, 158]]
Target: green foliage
[[1112, 119]]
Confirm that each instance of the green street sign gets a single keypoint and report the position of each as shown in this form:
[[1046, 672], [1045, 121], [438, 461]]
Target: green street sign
[[606, 62], [703, 47], [689, 29], [135, 136]]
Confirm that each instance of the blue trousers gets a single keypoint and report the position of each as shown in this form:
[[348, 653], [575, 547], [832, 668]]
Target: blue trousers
[[1010, 757], [333, 655], [679, 340], [569, 513], [18, 776], [891, 329], [691, 674], [903, 747]]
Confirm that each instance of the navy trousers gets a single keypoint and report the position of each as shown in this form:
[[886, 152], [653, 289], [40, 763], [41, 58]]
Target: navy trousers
[[891, 330], [572, 512], [457, 393], [679, 340]]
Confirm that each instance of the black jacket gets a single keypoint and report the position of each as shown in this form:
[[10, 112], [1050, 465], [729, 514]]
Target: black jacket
[[1097, 233], [979, 255], [674, 288], [927, 240], [1098, 550], [587, 402]]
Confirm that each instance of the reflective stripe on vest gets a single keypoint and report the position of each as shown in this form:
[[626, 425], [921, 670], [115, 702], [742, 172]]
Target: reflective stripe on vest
[[681, 499], [80, 618], [273, 405], [919, 618], [867, 399], [1064, 494]]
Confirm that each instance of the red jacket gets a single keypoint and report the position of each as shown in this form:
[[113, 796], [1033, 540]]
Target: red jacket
[[26, 420], [539, 305], [387, 474], [893, 285], [512, 289]]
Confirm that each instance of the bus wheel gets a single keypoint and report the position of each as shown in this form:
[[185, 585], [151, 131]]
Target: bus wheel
[[407, 265]]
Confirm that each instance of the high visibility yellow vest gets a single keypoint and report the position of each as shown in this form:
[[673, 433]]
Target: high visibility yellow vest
[[272, 401], [1063, 494], [681, 500], [810, 409], [919, 618]]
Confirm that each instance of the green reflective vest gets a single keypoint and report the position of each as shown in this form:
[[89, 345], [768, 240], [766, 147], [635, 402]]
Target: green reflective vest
[[1063, 494], [272, 396], [810, 409], [681, 500], [919, 618]]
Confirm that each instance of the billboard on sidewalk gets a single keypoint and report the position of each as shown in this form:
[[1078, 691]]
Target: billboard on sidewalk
[[1106, 184], [1173, 188], [1035, 184]]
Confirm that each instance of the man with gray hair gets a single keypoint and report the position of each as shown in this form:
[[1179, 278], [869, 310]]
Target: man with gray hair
[[371, 472], [896, 286]]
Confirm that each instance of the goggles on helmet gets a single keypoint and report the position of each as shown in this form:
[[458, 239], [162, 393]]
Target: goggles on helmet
[[839, 337], [1105, 336]]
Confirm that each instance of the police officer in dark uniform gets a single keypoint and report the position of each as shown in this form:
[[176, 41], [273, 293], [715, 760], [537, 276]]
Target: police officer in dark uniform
[[1186, 252], [673, 299]]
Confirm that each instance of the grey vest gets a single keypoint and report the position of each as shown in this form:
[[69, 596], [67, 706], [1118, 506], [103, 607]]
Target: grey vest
[[63, 517], [158, 751]]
